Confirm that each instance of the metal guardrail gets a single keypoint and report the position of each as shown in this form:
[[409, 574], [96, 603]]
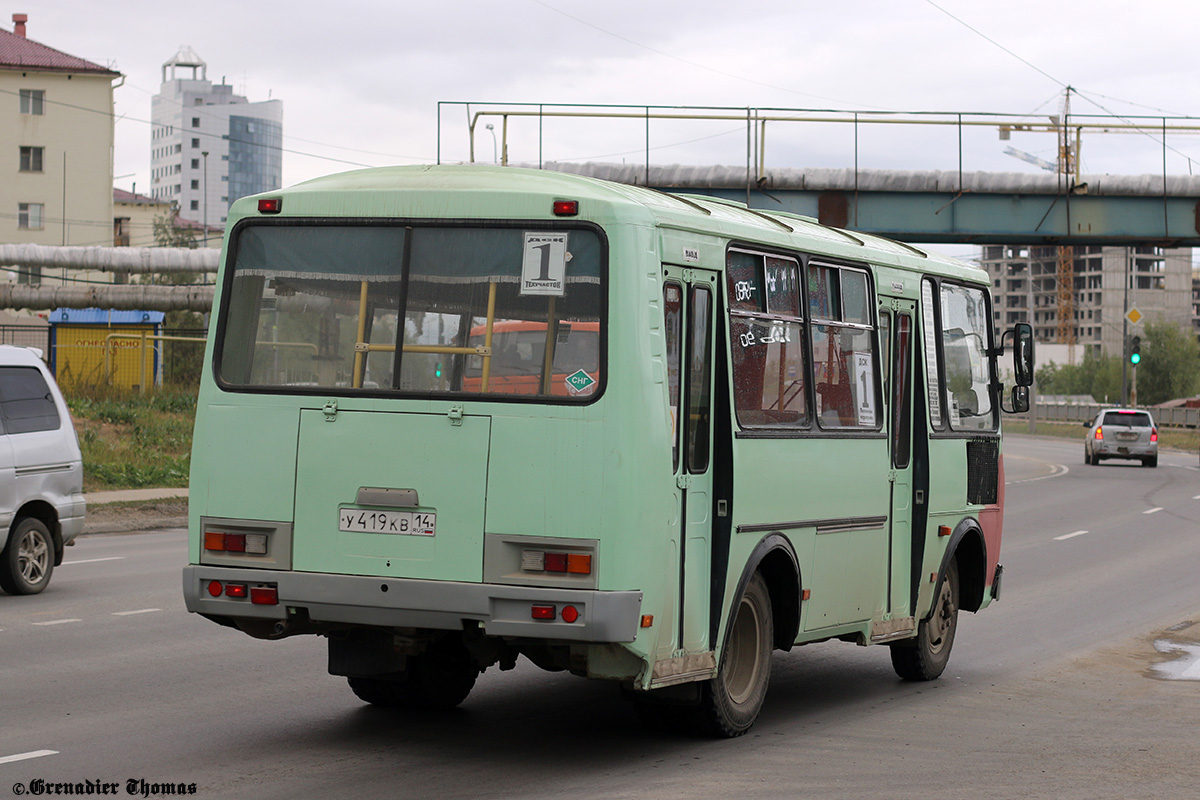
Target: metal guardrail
[[1081, 412]]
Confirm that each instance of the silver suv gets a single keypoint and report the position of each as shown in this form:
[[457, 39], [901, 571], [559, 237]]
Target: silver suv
[[41, 473], [1121, 433]]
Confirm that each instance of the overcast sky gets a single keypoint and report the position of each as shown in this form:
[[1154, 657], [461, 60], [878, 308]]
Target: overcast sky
[[360, 80]]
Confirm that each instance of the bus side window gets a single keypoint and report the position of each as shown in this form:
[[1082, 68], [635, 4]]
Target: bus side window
[[766, 340], [902, 392], [673, 308], [933, 374], [699, 377], [843, 342]]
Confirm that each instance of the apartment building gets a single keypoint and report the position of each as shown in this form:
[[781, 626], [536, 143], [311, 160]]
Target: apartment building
[[56, 145], [210, 146], [1107, 283]]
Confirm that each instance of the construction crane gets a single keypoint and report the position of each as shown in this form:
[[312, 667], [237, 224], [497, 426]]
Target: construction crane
[[1066, 165], [1067, 153]]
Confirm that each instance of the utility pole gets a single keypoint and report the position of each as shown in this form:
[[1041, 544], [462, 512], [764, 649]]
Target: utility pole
[[205, 155], [1125, 335]]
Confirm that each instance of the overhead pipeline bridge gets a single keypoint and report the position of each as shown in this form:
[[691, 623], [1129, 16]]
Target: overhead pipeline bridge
[[933, 206], [949, 207]]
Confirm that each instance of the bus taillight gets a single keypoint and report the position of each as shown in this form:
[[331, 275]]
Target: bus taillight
[[253, 543], [264, 595], [570, 563]]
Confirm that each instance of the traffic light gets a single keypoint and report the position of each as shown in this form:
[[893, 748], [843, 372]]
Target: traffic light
[[1135, 350], [437, 369]]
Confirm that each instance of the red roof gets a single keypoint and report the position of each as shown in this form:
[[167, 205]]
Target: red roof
[[17, 52]]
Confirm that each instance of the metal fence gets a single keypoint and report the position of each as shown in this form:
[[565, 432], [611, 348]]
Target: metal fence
[[1082, 412], [115, 358]]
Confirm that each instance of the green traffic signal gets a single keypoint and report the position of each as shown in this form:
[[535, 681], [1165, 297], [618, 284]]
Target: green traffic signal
[[1135, 347]]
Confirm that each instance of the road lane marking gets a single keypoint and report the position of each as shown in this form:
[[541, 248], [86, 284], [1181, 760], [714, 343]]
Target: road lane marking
[[139, 611], [58, 622], [95, 560], [1152, 510], [1057, 470], [26, 756], [1069, 535], [1197, 497]]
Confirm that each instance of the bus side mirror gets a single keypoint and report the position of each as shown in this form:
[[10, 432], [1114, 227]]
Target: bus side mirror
[[1023, 355], [1019, 401]]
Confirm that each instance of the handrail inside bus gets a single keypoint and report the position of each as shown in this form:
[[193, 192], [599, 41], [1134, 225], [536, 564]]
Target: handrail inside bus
[[361, 348]]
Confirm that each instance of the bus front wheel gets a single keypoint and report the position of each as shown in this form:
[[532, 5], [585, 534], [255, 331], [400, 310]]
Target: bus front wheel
[[925, 657], [731, 701]]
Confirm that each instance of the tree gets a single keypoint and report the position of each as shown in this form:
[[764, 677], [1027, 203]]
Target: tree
[[1170, 367], [1098, 376], [169, 233]]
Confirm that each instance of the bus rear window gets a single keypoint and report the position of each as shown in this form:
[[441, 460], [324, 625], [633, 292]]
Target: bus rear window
[[417, 310]]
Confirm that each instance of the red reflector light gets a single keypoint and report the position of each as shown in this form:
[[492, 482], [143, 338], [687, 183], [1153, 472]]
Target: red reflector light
[[556, 562], [235, 590], [235, 542], [570, 614], [214, 588], [542, 612], [566, 208], [264, 595], [270, 205]]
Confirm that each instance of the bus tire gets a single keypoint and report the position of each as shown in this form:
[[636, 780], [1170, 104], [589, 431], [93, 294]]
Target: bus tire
[[924, 657], [28, 559], [730, 702]]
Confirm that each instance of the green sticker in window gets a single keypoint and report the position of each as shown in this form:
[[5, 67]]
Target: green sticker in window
[[579, 382]]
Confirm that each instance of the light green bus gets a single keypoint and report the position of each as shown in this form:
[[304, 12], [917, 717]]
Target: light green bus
[[455, 415]]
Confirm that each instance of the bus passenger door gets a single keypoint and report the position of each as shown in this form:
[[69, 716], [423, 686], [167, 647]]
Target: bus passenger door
[[690, 300], [900, 430]]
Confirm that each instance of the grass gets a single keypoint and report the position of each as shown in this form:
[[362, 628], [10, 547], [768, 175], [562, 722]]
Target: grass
[[134, 441]]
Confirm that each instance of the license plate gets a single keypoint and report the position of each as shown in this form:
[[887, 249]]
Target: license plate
[[1127, 437], [405, 523]]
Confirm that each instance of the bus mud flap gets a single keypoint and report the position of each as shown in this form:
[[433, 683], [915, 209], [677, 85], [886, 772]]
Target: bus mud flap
[[681, 669]]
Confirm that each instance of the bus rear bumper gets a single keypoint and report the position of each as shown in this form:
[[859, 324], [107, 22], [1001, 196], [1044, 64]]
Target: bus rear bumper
[[352, 600]]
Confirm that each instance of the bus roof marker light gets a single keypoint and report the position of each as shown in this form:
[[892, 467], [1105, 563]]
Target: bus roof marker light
[[270, 205], [566, 208]]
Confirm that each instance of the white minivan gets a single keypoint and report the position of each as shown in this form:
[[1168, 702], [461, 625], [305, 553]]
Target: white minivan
[[41, 473]]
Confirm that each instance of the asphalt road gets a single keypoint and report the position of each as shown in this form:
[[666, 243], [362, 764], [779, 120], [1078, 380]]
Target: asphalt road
[[1051, 692]]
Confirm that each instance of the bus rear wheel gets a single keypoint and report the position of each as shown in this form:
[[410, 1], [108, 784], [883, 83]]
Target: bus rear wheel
[[730, 702], [439, 678], [925, 657]]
